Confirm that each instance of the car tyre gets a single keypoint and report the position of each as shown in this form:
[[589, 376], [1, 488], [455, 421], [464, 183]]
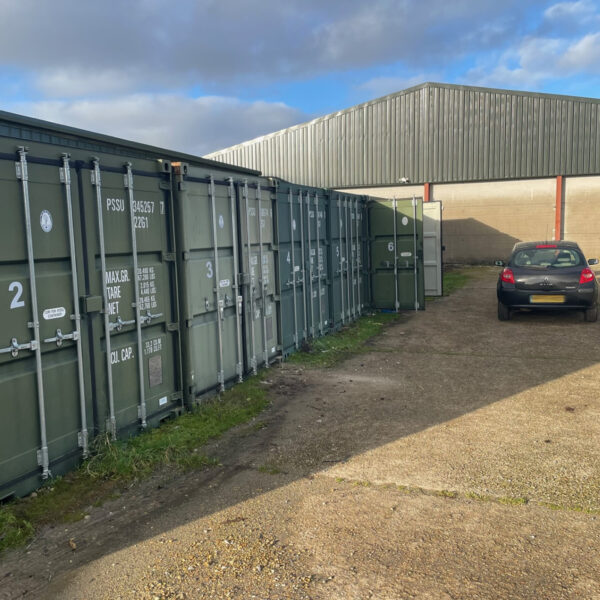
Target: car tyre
[[503, 312], [591, 314]]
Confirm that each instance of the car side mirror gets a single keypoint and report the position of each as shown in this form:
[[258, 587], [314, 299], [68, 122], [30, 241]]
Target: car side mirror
[[500, 263], [593, 261]]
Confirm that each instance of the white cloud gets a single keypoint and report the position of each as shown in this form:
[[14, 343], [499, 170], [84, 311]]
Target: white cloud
[[562, 10], [194, 125], [538, 60], [74, 48]]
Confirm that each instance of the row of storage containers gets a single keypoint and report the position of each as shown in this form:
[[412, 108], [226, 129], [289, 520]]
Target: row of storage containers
[[133, 282]]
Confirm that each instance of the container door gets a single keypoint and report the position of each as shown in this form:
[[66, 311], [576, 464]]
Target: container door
[[289, 280], [397, 254], [321, 200], [132, 260], [432, 248], [211, 300], [44, 406], [336, 284], [257, 259]]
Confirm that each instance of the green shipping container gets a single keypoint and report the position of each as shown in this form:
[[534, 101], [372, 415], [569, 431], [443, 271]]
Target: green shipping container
[[396, 254], [83, 349]]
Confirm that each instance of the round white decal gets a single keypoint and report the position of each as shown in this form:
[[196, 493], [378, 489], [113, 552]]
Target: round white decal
[[405, 221], [46, 221]]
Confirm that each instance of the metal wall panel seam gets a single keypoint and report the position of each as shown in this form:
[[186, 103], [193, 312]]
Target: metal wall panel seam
[[310, 266]]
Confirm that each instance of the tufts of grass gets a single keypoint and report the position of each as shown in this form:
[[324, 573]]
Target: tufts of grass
[[447, 494], [270, 469], [113, 464], [14, 530], [512, 501], [454, 280], [331, 349]]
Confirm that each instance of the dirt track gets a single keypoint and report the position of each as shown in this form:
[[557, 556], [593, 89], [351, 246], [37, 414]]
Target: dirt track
[[457, 458]]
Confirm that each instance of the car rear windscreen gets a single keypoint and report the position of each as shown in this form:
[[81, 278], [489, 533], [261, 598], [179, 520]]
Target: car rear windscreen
[[548, 257]]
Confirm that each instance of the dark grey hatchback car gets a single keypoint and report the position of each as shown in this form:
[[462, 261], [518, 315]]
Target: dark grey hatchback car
[[549, 276]]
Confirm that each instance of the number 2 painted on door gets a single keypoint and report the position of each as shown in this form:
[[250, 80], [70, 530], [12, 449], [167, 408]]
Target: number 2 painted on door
[[16, 301]]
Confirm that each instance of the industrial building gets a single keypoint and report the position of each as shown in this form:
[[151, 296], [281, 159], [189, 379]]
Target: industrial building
[[507, 166]]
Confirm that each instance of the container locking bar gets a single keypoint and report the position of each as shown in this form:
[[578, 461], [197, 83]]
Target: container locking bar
[[310, 268], [15, 347], [263, 284], [147, 318], [303, 263], [341, 255], [236, 290], [293, 282], [119, 323], [128, 184], [111, 423], [250, 282], [319, 262], [65, 178], [22, 174], [396, 302]]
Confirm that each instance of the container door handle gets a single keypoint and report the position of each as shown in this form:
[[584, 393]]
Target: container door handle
[[60, 337], [15, 347], [119, 323]]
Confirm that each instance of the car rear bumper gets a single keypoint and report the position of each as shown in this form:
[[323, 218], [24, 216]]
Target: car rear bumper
[[581, 298]]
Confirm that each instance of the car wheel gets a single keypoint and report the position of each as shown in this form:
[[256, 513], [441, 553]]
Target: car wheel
[[591, 314], [503, 312]]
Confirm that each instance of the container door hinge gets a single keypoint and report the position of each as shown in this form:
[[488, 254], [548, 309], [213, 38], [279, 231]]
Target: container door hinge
[[165, 185], [172, 326], [82, 439], [111, 427], [168, 256]]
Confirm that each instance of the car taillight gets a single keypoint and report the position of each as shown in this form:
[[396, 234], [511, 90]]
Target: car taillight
[[508, 276], [586, 276]]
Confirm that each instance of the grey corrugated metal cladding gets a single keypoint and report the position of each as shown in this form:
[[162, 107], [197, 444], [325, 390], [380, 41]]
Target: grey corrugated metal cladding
[[433, 133]]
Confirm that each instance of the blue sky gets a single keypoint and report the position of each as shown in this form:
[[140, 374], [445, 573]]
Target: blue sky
[[200, 75]]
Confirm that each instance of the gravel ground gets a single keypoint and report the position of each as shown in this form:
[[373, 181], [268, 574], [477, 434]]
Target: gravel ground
[[458, 457]]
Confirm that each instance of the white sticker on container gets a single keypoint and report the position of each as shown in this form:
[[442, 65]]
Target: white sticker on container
[[46, 221], [273, 350], [224, 283], [221, 221], [162, 401], [405, 254], [294, 224], [404, 220], [296, 269], [54, 313]]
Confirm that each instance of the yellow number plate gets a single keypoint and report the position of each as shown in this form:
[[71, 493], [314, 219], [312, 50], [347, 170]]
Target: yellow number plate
[[558, 299]]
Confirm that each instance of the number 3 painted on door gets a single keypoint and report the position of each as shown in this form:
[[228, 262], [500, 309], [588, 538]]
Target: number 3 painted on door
[[16, 301]]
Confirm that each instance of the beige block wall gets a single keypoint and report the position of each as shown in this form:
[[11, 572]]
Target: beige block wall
[[582, 213], [482, 221]]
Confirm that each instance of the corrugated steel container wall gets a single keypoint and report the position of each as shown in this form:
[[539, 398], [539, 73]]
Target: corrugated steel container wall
[[433, 133]]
